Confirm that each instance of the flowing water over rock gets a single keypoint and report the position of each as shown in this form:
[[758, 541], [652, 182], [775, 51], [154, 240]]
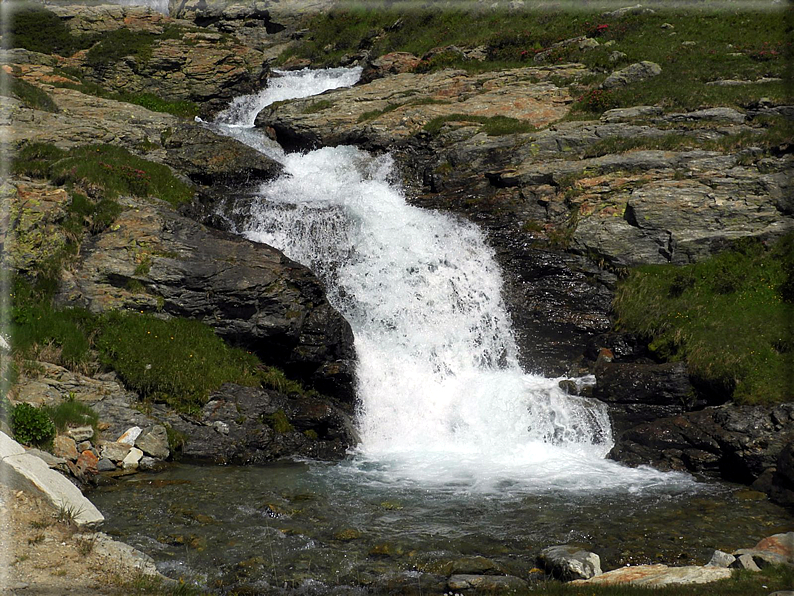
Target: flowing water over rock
[[462, 453]]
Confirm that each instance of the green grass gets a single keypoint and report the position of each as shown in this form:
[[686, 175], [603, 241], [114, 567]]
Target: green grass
[[112, 169], [731, 43], [73, 413], [40, 30], [30, 95], [178, 361], [490, 125], [729, 318], [318, 106]]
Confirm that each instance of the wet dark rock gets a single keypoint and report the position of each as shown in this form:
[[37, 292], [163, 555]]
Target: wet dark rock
[[211, 159], [781, 488], [737, 442], [487, 584], [251, 294], [638, 393], [568, 563], [246, 425]]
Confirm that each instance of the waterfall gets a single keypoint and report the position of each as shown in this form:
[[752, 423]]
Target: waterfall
[[442, 397]]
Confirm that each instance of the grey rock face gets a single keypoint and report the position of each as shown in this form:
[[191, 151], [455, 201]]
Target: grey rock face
[[741, 442], [570, 563], [154, 441], [639, 71], [250, 293]]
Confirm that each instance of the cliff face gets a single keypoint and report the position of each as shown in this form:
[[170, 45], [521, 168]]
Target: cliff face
[[571, 199]]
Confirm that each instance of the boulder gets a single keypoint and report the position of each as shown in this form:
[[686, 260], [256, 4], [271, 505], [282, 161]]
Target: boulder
[[389, 64], [105, 465], [154, 442], [782, 483], [657, 576], [745, 562], [252, 294], [23, 471], [51, 460], [781, 544], [634, 73], [569, 562], [65, 447], [755, 559]]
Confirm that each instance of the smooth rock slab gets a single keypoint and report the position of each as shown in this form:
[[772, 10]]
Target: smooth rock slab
[[657, 576], [23, 471], [781, 544], [486, 583]]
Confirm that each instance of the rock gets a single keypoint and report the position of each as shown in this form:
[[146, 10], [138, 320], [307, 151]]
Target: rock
[[781, 544], [639, 393], [489, 584], [627, 10], [392, 110], [147, 463], [119, 555], [389, 64], [634, 73], [22, 471], [154, 442], [474, 566], [87, 463], [65, 447], [213, 160], [657, 576], [51, 460], [294, 425], [115, 451], [84, 446], [633, 113], [130, 462], [617, 56], [745, 562], [105, 465], [721, 559], [708, 115], [761, 558], [130, 436], [80, 433], [569, 562], [739, 442], [250, 293]]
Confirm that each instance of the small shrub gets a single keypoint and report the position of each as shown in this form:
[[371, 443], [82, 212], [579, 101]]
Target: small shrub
[[32, 426], [273, 378], [35, 159], [597, 100], [279, 422]]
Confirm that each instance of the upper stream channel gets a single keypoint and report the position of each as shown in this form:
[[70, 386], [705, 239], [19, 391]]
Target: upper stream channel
[[462, 453]]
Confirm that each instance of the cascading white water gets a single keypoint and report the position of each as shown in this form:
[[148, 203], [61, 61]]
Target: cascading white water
[[442, 397]]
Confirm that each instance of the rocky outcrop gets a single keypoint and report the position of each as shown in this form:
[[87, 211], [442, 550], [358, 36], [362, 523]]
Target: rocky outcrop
[[657, 576], [741, 443], [186, 65], [391, 110], [781, 489], [155, 260]]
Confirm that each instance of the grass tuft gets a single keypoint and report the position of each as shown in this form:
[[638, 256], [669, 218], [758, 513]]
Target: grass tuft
[[30, 95], [490, 125]]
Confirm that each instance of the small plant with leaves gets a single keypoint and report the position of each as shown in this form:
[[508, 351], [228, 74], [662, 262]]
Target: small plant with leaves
[[31, 425]]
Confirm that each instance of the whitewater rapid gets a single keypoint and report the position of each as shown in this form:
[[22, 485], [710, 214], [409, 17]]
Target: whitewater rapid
[[442, 398]]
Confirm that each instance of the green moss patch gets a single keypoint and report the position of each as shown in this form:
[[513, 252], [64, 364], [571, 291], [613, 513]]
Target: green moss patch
[[729, 318], [112, 170]]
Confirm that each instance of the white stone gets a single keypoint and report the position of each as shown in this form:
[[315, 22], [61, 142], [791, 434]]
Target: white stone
[[132, 459], [721, 559], [22, 471], [129, 436], [80, 433]]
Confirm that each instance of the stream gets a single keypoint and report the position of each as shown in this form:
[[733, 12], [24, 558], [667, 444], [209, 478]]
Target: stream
[[462, 453]]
